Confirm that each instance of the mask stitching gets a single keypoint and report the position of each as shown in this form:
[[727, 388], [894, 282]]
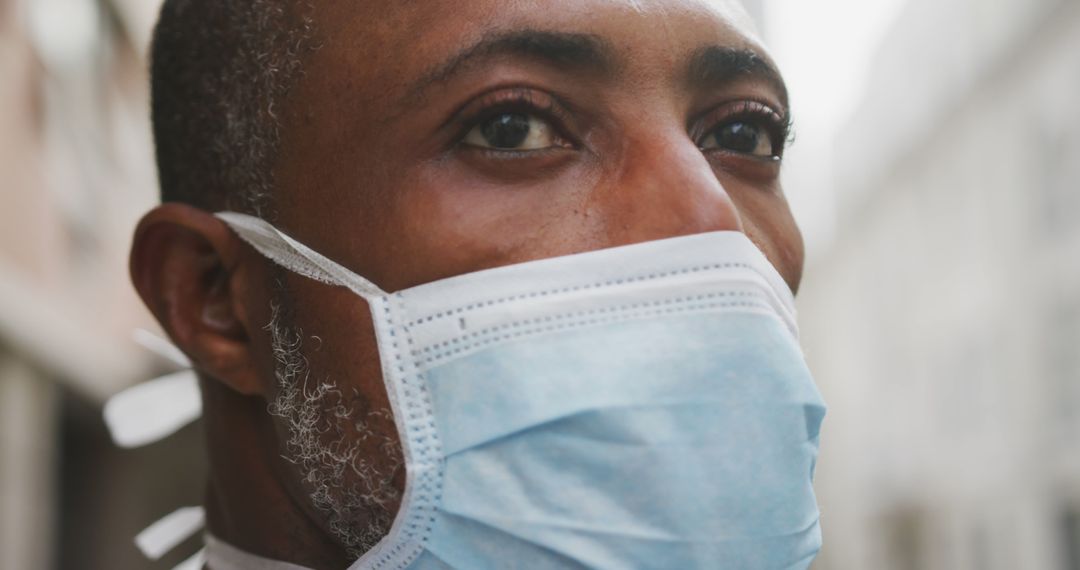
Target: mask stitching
[[388, 318], [663, 311], [573, 314], [397, 551], [434, 448], [427, 447], [576, 288]]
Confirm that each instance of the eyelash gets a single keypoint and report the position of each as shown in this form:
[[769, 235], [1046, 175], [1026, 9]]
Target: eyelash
[[515, 100], [779, 125]]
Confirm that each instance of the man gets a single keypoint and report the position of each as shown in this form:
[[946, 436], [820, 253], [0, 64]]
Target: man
[[412, 142]]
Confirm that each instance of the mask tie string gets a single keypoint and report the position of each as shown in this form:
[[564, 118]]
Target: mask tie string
[[297, 257], [152, 411]]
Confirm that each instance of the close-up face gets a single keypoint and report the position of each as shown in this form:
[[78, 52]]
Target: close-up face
[[483, 284], [431, 139]]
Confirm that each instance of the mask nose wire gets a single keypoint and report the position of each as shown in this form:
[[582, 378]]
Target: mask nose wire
[[295, 256]]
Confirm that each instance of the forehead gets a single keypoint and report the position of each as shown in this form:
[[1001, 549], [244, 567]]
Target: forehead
[[378, 14], [386, 41]]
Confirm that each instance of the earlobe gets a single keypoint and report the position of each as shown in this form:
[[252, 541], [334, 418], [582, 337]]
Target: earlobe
[[185, 264]]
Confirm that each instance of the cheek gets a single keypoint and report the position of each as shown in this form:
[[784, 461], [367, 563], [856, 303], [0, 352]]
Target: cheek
[[343, 386], [342, 337], [454, 221], [768, 222]]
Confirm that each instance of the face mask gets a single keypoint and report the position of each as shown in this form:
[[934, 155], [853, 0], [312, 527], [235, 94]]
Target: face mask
[[645, 406]]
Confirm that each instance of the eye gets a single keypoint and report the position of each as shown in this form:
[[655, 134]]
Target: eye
[[513, 132], [744, 137], [747, 128]]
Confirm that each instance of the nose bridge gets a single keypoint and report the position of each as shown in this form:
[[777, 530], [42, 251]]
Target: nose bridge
[[666, 188]]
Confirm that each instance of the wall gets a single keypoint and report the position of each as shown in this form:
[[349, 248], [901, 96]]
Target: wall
[[943, 319]]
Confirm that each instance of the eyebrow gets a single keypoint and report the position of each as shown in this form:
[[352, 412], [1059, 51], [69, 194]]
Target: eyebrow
[[570, 51], [713, 65]]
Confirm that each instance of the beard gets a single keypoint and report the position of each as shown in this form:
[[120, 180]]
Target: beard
[[345, 465]]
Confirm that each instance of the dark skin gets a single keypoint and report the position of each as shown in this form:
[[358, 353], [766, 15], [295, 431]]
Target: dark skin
[[403, 160]]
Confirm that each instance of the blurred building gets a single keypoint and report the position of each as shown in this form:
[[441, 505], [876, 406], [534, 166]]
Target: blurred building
[[756, 9], [76, 153], [943, 320]]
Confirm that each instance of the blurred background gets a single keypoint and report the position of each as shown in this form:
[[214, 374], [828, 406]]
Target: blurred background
[[936, 175]]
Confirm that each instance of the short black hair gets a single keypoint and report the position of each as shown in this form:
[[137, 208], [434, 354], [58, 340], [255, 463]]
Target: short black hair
[[220, 71]]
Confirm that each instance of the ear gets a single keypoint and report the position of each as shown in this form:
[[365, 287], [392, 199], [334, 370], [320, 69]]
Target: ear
[[187, 266]]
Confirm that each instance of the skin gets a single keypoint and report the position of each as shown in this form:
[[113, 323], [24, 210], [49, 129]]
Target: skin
[[374, 173]]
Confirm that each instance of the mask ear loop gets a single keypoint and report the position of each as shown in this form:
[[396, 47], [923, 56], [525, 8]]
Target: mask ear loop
[[153, 410], [297, 257]]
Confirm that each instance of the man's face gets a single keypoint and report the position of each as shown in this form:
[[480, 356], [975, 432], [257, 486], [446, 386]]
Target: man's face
[[430, 139]]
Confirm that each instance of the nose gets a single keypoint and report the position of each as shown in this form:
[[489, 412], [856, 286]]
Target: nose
[[664, 187]]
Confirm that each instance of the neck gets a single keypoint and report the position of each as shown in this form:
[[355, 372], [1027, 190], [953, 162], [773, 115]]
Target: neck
[[251, 502]]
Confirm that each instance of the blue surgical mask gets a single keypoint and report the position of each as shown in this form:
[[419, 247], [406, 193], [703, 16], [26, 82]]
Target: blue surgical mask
[[646, 406]]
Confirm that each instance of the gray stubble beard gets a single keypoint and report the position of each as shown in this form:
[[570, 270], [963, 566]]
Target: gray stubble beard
[[325, 432]]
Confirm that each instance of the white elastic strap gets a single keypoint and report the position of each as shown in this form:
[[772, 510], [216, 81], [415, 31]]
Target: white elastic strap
[[196, 562], [153, 410], [160, 346], [295, 256], [167, 533]]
